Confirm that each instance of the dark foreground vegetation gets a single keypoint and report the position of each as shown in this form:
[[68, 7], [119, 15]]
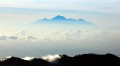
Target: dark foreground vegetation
[[78, 60]]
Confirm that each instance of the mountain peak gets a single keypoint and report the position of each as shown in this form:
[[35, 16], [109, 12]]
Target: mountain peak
[[82, 20], [59, 17], [62, 20]]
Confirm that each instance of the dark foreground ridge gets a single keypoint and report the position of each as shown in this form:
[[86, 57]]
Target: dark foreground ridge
[[78, 60]]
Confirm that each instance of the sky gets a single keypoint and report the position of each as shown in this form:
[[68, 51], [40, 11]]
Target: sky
[[103, 12], [19, 38]]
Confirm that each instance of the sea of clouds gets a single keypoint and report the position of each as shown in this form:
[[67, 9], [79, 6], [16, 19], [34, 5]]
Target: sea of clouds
[[71, 42], [62, 35]]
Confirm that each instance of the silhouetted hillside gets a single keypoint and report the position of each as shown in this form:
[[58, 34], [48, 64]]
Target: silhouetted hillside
[[78, 60], [90, 60]]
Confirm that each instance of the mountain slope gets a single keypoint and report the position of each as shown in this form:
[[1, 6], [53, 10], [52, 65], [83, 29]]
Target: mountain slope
[[78, 60], [62, 20]]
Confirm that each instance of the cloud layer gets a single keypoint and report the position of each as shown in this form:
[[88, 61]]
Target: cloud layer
[[62, 35], [69, 42]]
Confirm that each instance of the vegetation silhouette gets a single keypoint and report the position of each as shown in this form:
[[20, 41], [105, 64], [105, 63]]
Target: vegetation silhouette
[[78, 60]]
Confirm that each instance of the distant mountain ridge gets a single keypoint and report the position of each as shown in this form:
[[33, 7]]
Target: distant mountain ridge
[[58, 17], [61, 19]]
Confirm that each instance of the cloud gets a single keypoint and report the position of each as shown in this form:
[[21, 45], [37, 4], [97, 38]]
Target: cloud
[[72, 34], [31, 38], [63, 35], [28, 58], [3, 37], [65, 42], [7, 57], [13, 37], [51, 58]]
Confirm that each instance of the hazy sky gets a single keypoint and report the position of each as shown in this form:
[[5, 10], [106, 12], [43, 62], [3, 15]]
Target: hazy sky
[[101, 12], [18, 38]]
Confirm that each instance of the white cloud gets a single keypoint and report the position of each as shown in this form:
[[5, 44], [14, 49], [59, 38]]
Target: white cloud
[[51, 58], [28, 58], [8, 57], [62, 35]]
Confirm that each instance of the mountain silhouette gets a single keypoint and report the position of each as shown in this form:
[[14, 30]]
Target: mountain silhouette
[[61, 19], [15, 61], [58, 17], [77, 60]]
